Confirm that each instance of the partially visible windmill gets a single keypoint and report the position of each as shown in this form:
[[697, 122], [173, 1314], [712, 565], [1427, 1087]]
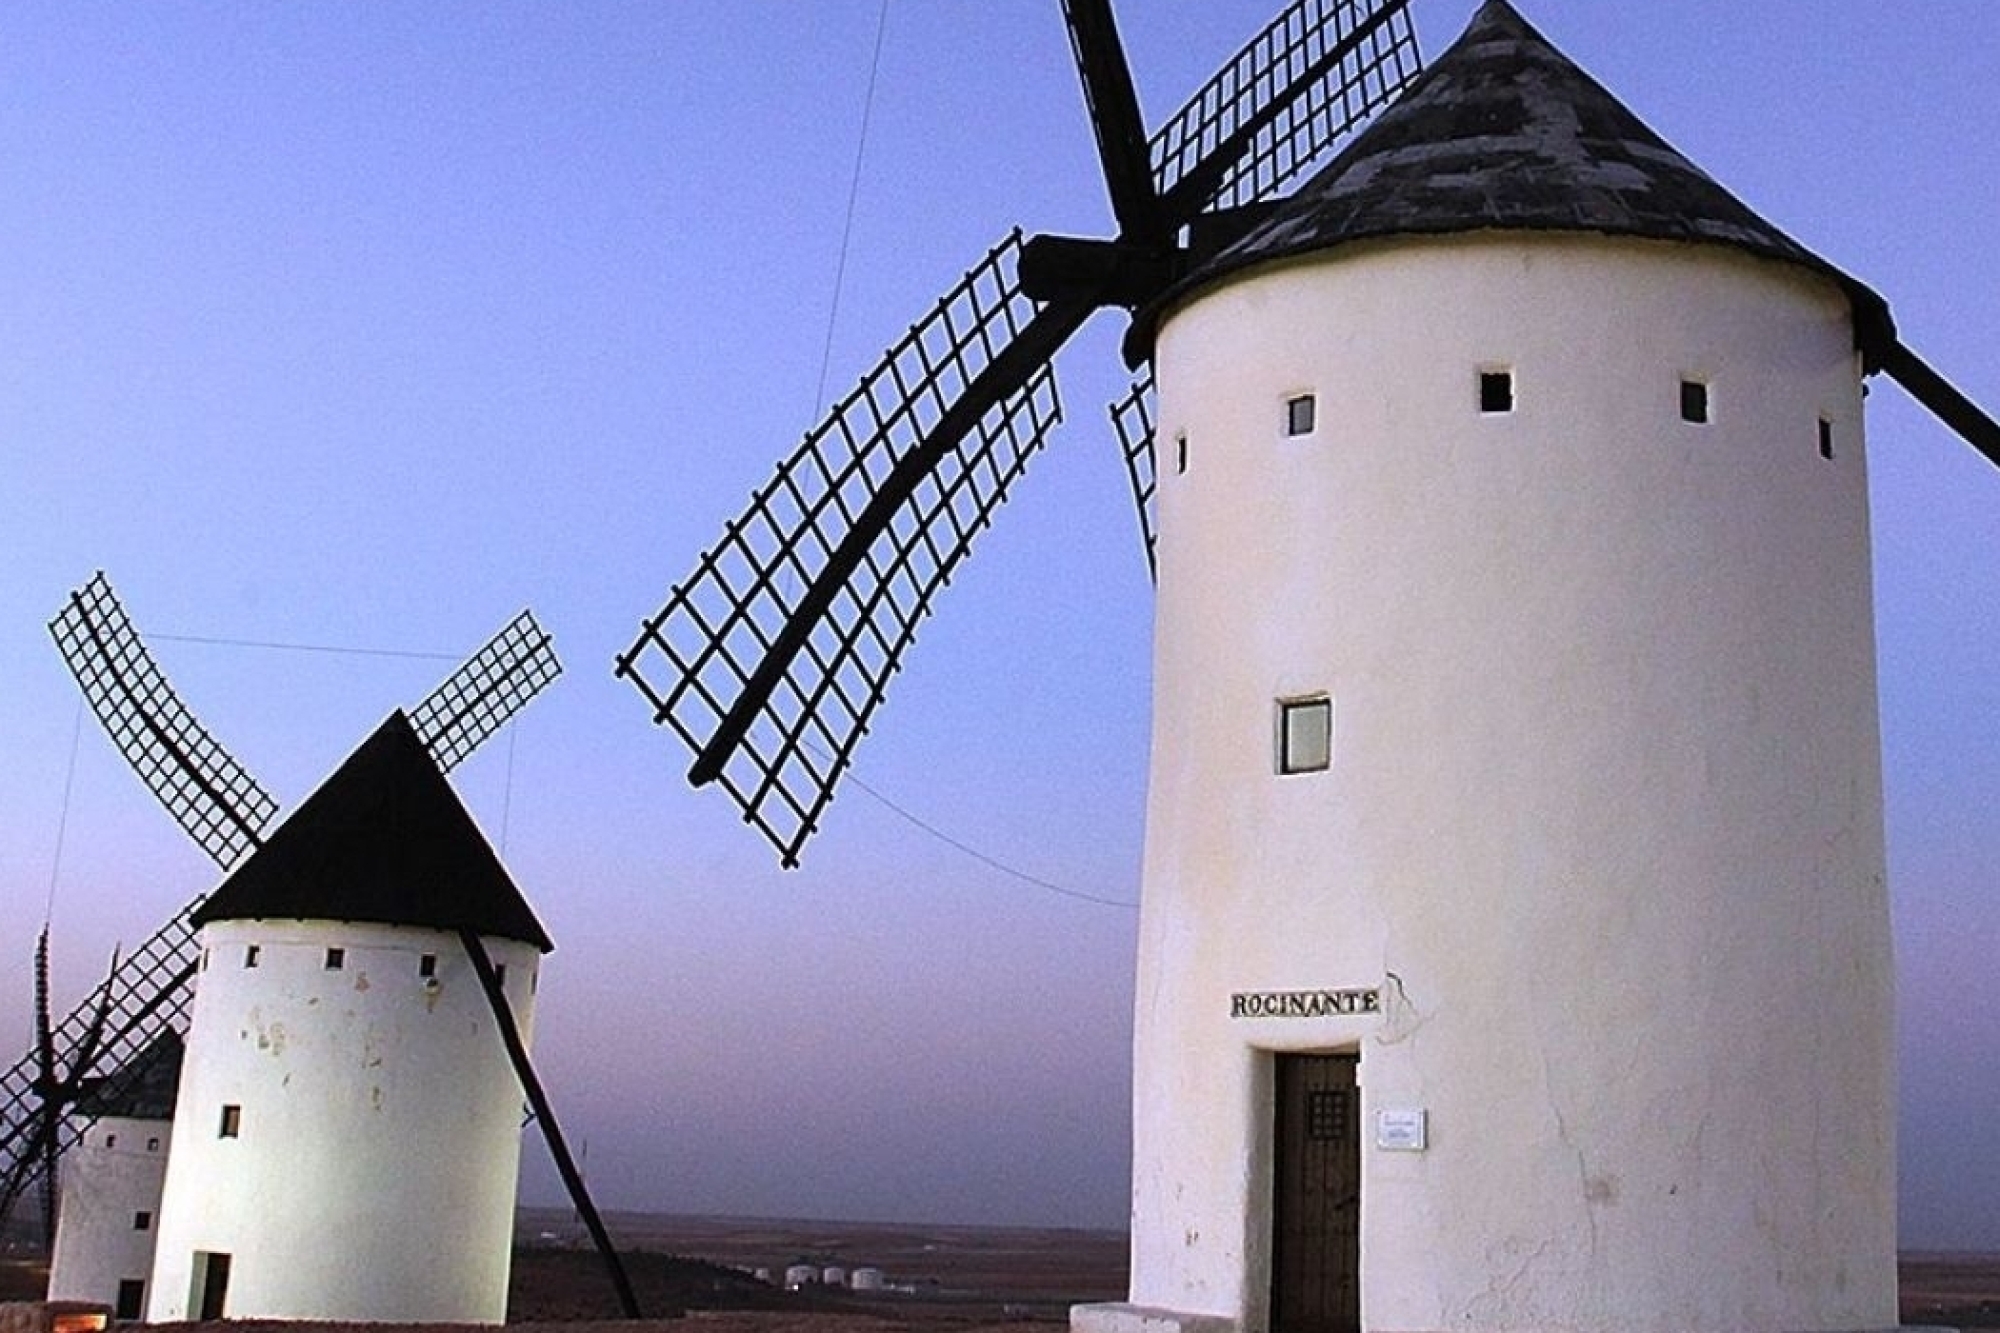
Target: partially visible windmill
[[56, 1086], [226, 812], [769, 660]]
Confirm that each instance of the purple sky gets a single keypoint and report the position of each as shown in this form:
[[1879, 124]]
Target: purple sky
[[366, 325]]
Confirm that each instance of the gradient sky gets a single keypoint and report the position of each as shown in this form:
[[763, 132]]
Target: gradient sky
[[365, 325]]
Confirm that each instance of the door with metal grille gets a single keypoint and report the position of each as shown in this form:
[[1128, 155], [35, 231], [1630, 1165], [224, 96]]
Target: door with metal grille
[[1316, 1199]]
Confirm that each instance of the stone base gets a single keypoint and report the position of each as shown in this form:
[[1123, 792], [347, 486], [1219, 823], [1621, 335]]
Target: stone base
[[1123, 1318]]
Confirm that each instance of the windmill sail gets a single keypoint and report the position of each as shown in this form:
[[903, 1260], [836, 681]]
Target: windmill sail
[[1132, 418], [769, 660], [1293, 93], [206, 791], [477, 699], [142, 995]]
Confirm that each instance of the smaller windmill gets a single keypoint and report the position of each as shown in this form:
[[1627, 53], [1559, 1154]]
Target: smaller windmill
[[55, 1087], [227, 813]]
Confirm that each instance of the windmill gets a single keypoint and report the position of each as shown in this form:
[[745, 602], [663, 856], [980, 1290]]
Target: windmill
[[227, 813], [1517, 432], [55, 1089]]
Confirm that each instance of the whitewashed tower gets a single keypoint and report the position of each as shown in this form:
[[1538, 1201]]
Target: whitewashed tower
[[112, 1177], [1515, 750], [348, 1122]]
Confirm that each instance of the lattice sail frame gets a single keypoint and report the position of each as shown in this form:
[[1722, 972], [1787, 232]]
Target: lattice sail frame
[[1132, 417], [476, 700], [1347, 91], [202, 786], [697, 655], [144, 993]]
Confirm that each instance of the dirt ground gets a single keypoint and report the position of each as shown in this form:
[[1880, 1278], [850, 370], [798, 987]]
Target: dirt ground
[[943, 1279]]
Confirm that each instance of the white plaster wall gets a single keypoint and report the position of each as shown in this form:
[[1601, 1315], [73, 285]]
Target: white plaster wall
[[374, 1175], [111, 1175], [1604, 818]]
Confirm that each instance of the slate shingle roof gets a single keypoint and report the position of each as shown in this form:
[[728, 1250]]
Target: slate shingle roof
[[1504, 132]]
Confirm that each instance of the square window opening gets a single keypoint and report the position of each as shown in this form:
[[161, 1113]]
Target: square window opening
[[252, 954], [427, 966], [1301, 412], [1496, 391], [500, 974], [1180, 455], [1694, 401], [1825, 438], [152, 1145], [142, 1221], [1305, 735], [232, 1122], [111, 1140], [336, 959]]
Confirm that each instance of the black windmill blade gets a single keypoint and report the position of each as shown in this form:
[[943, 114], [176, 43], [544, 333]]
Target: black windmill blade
[[139, 997], [206, 791], [770, 659], [1941, 398], [477, 699]]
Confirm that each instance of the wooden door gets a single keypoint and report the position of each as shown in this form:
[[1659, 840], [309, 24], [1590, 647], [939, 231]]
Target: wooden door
[[1316, 1199], [211, 1277]]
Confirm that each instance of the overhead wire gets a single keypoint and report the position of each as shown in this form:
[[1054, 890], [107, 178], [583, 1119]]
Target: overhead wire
[[819, 399], [62, 819]]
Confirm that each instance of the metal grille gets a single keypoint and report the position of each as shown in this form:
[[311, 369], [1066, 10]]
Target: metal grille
[[495, 683], [774, 565], [211, 795], [1132, 418], [1326, 1115], [141, 997], [1286, 99]]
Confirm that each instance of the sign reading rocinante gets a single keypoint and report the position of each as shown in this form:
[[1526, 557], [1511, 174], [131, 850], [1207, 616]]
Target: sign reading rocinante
[[1304, 1003]]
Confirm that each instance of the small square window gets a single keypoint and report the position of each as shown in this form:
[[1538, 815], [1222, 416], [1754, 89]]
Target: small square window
[[427, 966], [1300, 412], [1496, 391], [1825, 438], [232, 1122], [111, 1140], [152, 1145], [251, 954], [1180, 455], [1694, 402], [1305, 735], [336, 959], [500, 973], [142, 1221], [204, 961]]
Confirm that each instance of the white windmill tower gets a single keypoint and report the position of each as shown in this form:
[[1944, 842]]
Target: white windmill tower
[[1514, 944], [111, 1180], [347, 1127]]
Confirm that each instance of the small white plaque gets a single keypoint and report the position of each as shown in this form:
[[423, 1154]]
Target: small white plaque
[[1402, 1131]]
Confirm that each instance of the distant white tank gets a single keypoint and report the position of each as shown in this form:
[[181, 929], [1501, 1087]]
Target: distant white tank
[[833, 1275], [111, 1181], [866, 1279], [348, 1121], [801, 1275]]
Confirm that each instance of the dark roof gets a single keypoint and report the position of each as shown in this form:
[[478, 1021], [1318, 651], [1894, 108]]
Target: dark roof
[[384, 839], [1503, 132], [144, 1089]]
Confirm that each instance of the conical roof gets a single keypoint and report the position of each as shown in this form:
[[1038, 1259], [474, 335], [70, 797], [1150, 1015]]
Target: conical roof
[[1504, 132], [144, 1088], [384, 839]]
